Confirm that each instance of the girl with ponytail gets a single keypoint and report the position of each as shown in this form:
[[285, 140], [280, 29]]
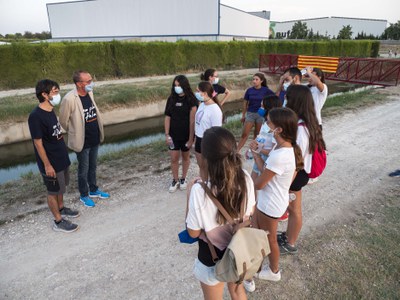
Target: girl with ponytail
[[273, 184]]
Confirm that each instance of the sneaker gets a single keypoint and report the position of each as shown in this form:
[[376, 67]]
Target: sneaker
[[312, 180], [65, 226], [267, 274], [284, 217], [99, 194], [285, 248], [87, 201], [174, 186], [182, 184], [249, 286], [281, 237], [67, 212], [395, 173]]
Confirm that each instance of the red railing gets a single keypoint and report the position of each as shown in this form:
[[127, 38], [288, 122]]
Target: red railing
[[374, 71]]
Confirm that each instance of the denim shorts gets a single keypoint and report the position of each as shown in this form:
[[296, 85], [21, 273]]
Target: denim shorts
[[204, 274], [255, 168], [254, 117]]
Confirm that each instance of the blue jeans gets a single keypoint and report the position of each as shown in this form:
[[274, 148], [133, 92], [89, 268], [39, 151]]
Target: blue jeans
[[87, 163]]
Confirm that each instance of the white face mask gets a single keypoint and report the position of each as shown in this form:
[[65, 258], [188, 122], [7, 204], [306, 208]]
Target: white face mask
[[178, 90], [286, 84], [216, 80], [55, 100], [199, 96], [89, 87]]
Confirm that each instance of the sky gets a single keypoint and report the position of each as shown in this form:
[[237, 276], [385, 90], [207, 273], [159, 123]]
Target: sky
[[31, 15]]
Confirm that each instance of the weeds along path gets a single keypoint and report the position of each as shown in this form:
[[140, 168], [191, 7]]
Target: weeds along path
[[127, 246]]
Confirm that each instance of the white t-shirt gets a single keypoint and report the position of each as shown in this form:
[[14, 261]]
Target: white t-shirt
[[202, 214], [207, 116], [319, 100], [303, 140], [273, 199]]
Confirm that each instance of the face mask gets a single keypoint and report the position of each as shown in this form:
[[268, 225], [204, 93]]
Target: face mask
[[55, 100], [261, 111], [89, 87], [286, 85], [199, 96], [284, 103], [178, 90], [216, 80]]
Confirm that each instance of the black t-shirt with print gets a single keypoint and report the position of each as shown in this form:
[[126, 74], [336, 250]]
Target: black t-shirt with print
[[44, 125], [178, 109], [219, 89], [92, 132]]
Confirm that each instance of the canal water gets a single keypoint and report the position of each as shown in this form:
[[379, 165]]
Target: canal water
[[18, 159]]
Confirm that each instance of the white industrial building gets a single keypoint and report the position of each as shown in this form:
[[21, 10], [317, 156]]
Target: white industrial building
[[330, 26], [150, 20]]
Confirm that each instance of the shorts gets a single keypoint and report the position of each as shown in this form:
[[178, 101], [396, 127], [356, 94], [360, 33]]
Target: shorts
[[204, 274], [254, 117], [179, 146], [255, 168], [299, 181], [197, 145], [63, 181]]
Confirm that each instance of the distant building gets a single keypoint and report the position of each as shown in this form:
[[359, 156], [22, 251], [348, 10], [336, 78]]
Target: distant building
[[150, 20], [330, 26]]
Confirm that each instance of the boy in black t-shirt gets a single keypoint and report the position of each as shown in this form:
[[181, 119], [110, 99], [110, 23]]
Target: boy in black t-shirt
[[51, 153]]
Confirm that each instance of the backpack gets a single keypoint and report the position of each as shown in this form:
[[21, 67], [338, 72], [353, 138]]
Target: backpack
[[246, 251], [318, 162]]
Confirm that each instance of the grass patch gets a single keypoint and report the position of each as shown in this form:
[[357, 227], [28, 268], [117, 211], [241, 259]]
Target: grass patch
[[360, 259]]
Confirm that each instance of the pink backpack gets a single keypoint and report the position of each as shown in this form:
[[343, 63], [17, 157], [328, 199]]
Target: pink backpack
[[318, 162]]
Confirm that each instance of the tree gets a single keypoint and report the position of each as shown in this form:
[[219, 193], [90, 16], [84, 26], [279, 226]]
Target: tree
[[299, 31], [392, 32], [345, 33]]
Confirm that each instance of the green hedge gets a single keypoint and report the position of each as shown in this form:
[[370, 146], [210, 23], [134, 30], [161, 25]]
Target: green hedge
[[23, 64]]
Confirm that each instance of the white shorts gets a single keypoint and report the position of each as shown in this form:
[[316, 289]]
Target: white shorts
[[204, 274]]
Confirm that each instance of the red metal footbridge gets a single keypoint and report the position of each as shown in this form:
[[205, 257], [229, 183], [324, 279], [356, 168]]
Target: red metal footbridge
[[375, 71]]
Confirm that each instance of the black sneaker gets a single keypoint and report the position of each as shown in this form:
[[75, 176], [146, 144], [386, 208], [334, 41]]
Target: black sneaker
[[65, 226], [67, 212], [285, 248], [395, 173], [281, 237]]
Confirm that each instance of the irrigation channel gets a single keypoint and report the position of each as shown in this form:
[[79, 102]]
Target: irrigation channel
[[18, 158]]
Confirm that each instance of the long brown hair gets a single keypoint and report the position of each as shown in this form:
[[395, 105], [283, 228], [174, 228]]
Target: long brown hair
[[286, 119], [263, 79], [300, 100], [225, 173]]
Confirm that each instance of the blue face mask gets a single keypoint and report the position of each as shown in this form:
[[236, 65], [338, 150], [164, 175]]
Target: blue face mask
[[89, 87], [178, 90], [199, 96], [284, 103], [262, 112]]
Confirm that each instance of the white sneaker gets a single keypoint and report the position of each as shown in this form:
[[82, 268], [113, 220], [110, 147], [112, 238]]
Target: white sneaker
[[313, 180], [174, 186], [267, 274], [182, 184], [249, 286]]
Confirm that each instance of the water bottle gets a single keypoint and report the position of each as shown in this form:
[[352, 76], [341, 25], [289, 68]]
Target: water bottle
[[170, 143], [261, 141]]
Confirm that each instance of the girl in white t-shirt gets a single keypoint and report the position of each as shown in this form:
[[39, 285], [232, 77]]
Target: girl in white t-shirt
[[309, 136], [208, 114], [274, 182], [231, 185]]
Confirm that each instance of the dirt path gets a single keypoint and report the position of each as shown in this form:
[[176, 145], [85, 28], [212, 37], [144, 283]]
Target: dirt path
[[127, 246]]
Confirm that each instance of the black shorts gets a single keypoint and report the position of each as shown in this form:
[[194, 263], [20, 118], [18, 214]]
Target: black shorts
[[299, 181], [180, 146], [197, 145]]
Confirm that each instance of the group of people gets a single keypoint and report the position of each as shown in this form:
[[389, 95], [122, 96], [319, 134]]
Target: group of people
[[80, 117], [287, 129], [290, 124]]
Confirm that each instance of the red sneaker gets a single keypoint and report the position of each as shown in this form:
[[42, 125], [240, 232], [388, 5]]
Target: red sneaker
[[284, 217]]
